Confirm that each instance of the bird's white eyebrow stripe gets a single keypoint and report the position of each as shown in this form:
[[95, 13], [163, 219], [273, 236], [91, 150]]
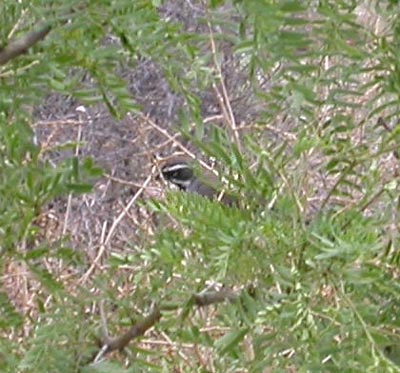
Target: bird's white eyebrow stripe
[[175, 167]]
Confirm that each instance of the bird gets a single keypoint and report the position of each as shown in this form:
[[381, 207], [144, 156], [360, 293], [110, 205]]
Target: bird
[[181, 172]]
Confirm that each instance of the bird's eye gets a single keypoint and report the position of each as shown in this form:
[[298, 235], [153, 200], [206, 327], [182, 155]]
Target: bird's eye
[[185, 173]]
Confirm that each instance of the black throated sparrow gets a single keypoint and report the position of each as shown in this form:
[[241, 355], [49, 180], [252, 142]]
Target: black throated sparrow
[[179, 171]]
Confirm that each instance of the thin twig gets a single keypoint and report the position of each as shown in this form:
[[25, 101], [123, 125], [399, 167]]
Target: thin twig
[[224, 100], [114, 226], [262, 127], [121, 181], [179, 351], [58, 123], [103, 320], [69, 202], [183, 148], [17, 25], [128, 206]]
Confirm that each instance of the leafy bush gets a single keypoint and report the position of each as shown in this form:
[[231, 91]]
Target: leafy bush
[[309, 260]]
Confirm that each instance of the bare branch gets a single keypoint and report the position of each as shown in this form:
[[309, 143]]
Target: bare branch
[[214, 297], [135, 331], [205, 298], [19, 46]]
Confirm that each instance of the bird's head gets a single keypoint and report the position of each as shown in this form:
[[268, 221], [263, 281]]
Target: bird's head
[[178, 171]]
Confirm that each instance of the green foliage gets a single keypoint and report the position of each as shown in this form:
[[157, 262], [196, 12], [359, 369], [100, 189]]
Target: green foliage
[[326, 295], [49, 348], [27, 184]]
